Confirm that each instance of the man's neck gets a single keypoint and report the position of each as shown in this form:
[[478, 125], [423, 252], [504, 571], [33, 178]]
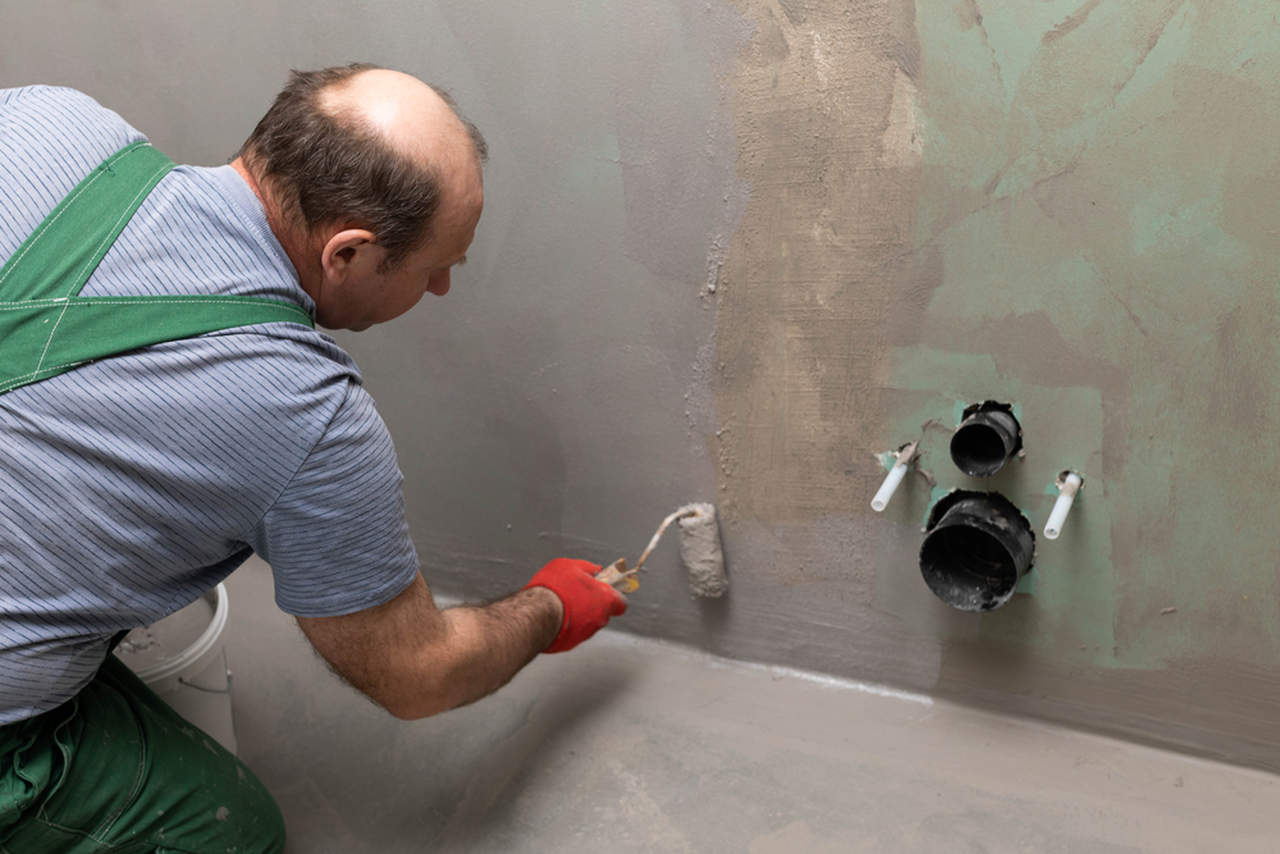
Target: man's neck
[[293, 247]]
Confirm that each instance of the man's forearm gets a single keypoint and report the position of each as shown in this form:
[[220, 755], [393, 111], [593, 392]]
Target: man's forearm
[[416, 660], [489, 644]]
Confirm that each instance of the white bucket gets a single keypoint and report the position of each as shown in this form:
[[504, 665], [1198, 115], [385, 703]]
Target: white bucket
[[189, 673]]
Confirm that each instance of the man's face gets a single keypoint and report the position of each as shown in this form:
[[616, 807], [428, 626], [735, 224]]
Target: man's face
[[376, 296]]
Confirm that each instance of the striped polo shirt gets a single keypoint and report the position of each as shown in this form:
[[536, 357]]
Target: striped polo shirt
[[131, 485]]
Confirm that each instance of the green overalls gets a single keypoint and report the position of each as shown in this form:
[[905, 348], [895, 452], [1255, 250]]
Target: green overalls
[[115, 769], [47, 328]]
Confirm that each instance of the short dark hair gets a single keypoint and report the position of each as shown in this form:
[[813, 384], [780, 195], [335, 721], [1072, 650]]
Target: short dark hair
[[324, 167]]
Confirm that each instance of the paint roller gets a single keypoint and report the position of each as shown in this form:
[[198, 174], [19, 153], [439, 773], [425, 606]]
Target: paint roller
[[700, 552]]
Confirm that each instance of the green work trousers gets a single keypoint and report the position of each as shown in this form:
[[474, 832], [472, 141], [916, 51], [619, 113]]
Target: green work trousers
[[117, 770]]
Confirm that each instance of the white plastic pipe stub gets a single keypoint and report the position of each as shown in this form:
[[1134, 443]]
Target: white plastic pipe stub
[[894, 478], [1069, 484], [890, 485]]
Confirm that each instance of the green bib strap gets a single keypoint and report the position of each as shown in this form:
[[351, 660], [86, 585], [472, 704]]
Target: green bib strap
[[47, 328], [64, 250], [54, 336]]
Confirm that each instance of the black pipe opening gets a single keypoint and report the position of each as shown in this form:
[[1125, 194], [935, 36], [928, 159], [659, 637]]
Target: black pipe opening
[[987, 437], [977, 546]]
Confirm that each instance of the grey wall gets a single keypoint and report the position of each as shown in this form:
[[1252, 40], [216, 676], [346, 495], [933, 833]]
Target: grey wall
[[556, 402], [733, 250]]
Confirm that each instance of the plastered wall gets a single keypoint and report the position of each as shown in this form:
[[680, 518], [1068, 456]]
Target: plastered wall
[[734, 250], [1067, 206]]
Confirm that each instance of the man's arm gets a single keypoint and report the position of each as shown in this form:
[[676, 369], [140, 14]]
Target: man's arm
[[416, 660]]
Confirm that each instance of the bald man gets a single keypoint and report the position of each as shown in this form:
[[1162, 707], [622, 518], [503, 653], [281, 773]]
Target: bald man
[[167, 408]]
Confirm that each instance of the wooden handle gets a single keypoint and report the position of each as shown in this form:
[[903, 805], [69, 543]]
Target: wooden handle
[[617, 576]]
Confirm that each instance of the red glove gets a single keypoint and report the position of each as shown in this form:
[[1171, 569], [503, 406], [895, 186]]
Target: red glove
[[588, 604]]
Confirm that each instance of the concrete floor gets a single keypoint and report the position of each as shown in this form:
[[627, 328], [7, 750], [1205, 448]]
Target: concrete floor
[[627, 745]]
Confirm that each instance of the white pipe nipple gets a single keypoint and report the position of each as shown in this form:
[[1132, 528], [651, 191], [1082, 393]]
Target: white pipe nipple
[[891, 483], [1069, 484], [904, 457]]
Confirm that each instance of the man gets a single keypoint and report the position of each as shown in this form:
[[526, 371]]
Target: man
[[166, 409]]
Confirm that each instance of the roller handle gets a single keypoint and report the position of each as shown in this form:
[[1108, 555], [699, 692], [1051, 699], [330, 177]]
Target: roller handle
[[617, 576]]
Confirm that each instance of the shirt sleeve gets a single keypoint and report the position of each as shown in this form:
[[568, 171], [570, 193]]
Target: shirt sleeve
[[336, 538]]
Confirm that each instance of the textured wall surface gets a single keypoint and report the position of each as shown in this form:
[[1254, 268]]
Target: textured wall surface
[[1068, 206], [734, 250]]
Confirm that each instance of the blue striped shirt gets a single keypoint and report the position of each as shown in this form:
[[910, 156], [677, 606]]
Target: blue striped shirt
[[132, 484]]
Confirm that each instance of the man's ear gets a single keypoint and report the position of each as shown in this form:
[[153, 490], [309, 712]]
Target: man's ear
[[347, 252]]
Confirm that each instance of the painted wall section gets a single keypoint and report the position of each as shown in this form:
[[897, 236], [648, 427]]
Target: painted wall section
[[734, 250]]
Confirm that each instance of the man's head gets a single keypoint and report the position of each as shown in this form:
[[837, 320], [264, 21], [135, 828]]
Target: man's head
[[371, 181]]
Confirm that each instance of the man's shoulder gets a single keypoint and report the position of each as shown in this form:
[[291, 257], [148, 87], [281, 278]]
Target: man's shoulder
[[55, 117], [41, 97], [14, 94], [50, 138]]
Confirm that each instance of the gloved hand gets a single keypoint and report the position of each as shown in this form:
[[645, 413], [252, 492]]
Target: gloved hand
[[588, 603]]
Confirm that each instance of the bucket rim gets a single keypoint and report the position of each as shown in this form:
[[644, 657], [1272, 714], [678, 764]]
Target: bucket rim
[[194, 651]]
